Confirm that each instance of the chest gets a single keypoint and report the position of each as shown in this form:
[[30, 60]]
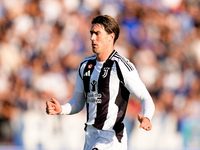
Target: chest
[[100, 76]]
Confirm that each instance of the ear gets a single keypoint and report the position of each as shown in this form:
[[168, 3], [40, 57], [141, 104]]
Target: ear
[[112, 36]]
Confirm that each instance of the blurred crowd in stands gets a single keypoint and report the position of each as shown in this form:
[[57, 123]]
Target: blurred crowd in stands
[[42, 43]]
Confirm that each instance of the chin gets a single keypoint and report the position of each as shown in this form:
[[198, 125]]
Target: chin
[[94, 50]]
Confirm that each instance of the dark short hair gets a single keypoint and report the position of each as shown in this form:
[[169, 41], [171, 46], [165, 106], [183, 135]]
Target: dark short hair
[[109, 23]]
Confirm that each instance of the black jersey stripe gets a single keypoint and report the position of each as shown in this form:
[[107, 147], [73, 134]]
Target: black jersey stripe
[[103, 89], [86, 79], [112, 54]]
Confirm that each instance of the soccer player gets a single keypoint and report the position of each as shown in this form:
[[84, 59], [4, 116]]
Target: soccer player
[[104, 83]]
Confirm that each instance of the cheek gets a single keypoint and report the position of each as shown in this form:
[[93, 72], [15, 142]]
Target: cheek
[[104, 39], [103, 42]]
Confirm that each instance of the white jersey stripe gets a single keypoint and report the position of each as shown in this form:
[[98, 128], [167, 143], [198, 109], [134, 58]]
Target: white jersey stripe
[[112, 107]]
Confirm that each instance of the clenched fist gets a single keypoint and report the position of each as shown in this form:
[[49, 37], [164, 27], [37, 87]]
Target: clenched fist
[[53, 107], [144, 123]]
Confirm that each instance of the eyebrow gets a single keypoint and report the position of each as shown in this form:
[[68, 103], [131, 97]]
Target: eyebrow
[[92, 31]]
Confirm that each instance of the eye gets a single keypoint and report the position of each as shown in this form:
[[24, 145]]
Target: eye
[[91, 32]]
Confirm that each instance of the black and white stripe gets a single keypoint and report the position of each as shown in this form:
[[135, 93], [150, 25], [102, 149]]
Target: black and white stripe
[[108, 114], [125, 61]]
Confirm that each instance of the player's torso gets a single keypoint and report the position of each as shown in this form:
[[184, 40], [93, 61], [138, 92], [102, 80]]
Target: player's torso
[[101, 85]]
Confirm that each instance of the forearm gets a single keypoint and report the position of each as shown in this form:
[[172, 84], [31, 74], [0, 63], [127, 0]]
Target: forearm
[[75, 105], [146, 101], [148, 107], [138, 89]]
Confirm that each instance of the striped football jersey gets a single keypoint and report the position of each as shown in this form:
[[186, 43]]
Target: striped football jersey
[[105, 91]]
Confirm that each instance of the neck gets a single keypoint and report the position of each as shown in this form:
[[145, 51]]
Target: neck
[[104, 55]]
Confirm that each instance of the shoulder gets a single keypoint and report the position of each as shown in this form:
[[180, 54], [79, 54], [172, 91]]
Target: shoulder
[[84, 61], [123, 62]]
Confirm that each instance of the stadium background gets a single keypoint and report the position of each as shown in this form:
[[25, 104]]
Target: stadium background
[[43, 41]]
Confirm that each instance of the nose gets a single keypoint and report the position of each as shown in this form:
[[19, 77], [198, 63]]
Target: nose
[[92, 37]]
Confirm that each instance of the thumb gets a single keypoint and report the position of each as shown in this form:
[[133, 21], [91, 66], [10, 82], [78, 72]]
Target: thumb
[[54, 101], [139, 118]]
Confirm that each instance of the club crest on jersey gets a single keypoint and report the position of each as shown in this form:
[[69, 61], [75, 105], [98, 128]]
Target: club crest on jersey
[[105, 69], [90, 66]]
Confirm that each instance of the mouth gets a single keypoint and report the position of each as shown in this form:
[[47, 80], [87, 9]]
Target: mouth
[[94, 45]]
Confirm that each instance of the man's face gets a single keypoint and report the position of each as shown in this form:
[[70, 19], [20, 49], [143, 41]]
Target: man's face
[[100, 39]]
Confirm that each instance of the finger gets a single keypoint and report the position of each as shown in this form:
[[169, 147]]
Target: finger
[[147, 127], [51, 108], [54, 101], [139, 118], [51, 112], [49, 104], [142, 125], [47, 111]]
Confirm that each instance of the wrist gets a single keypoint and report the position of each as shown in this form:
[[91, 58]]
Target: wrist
[[66, 109], [60, 110], [148, 119]]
